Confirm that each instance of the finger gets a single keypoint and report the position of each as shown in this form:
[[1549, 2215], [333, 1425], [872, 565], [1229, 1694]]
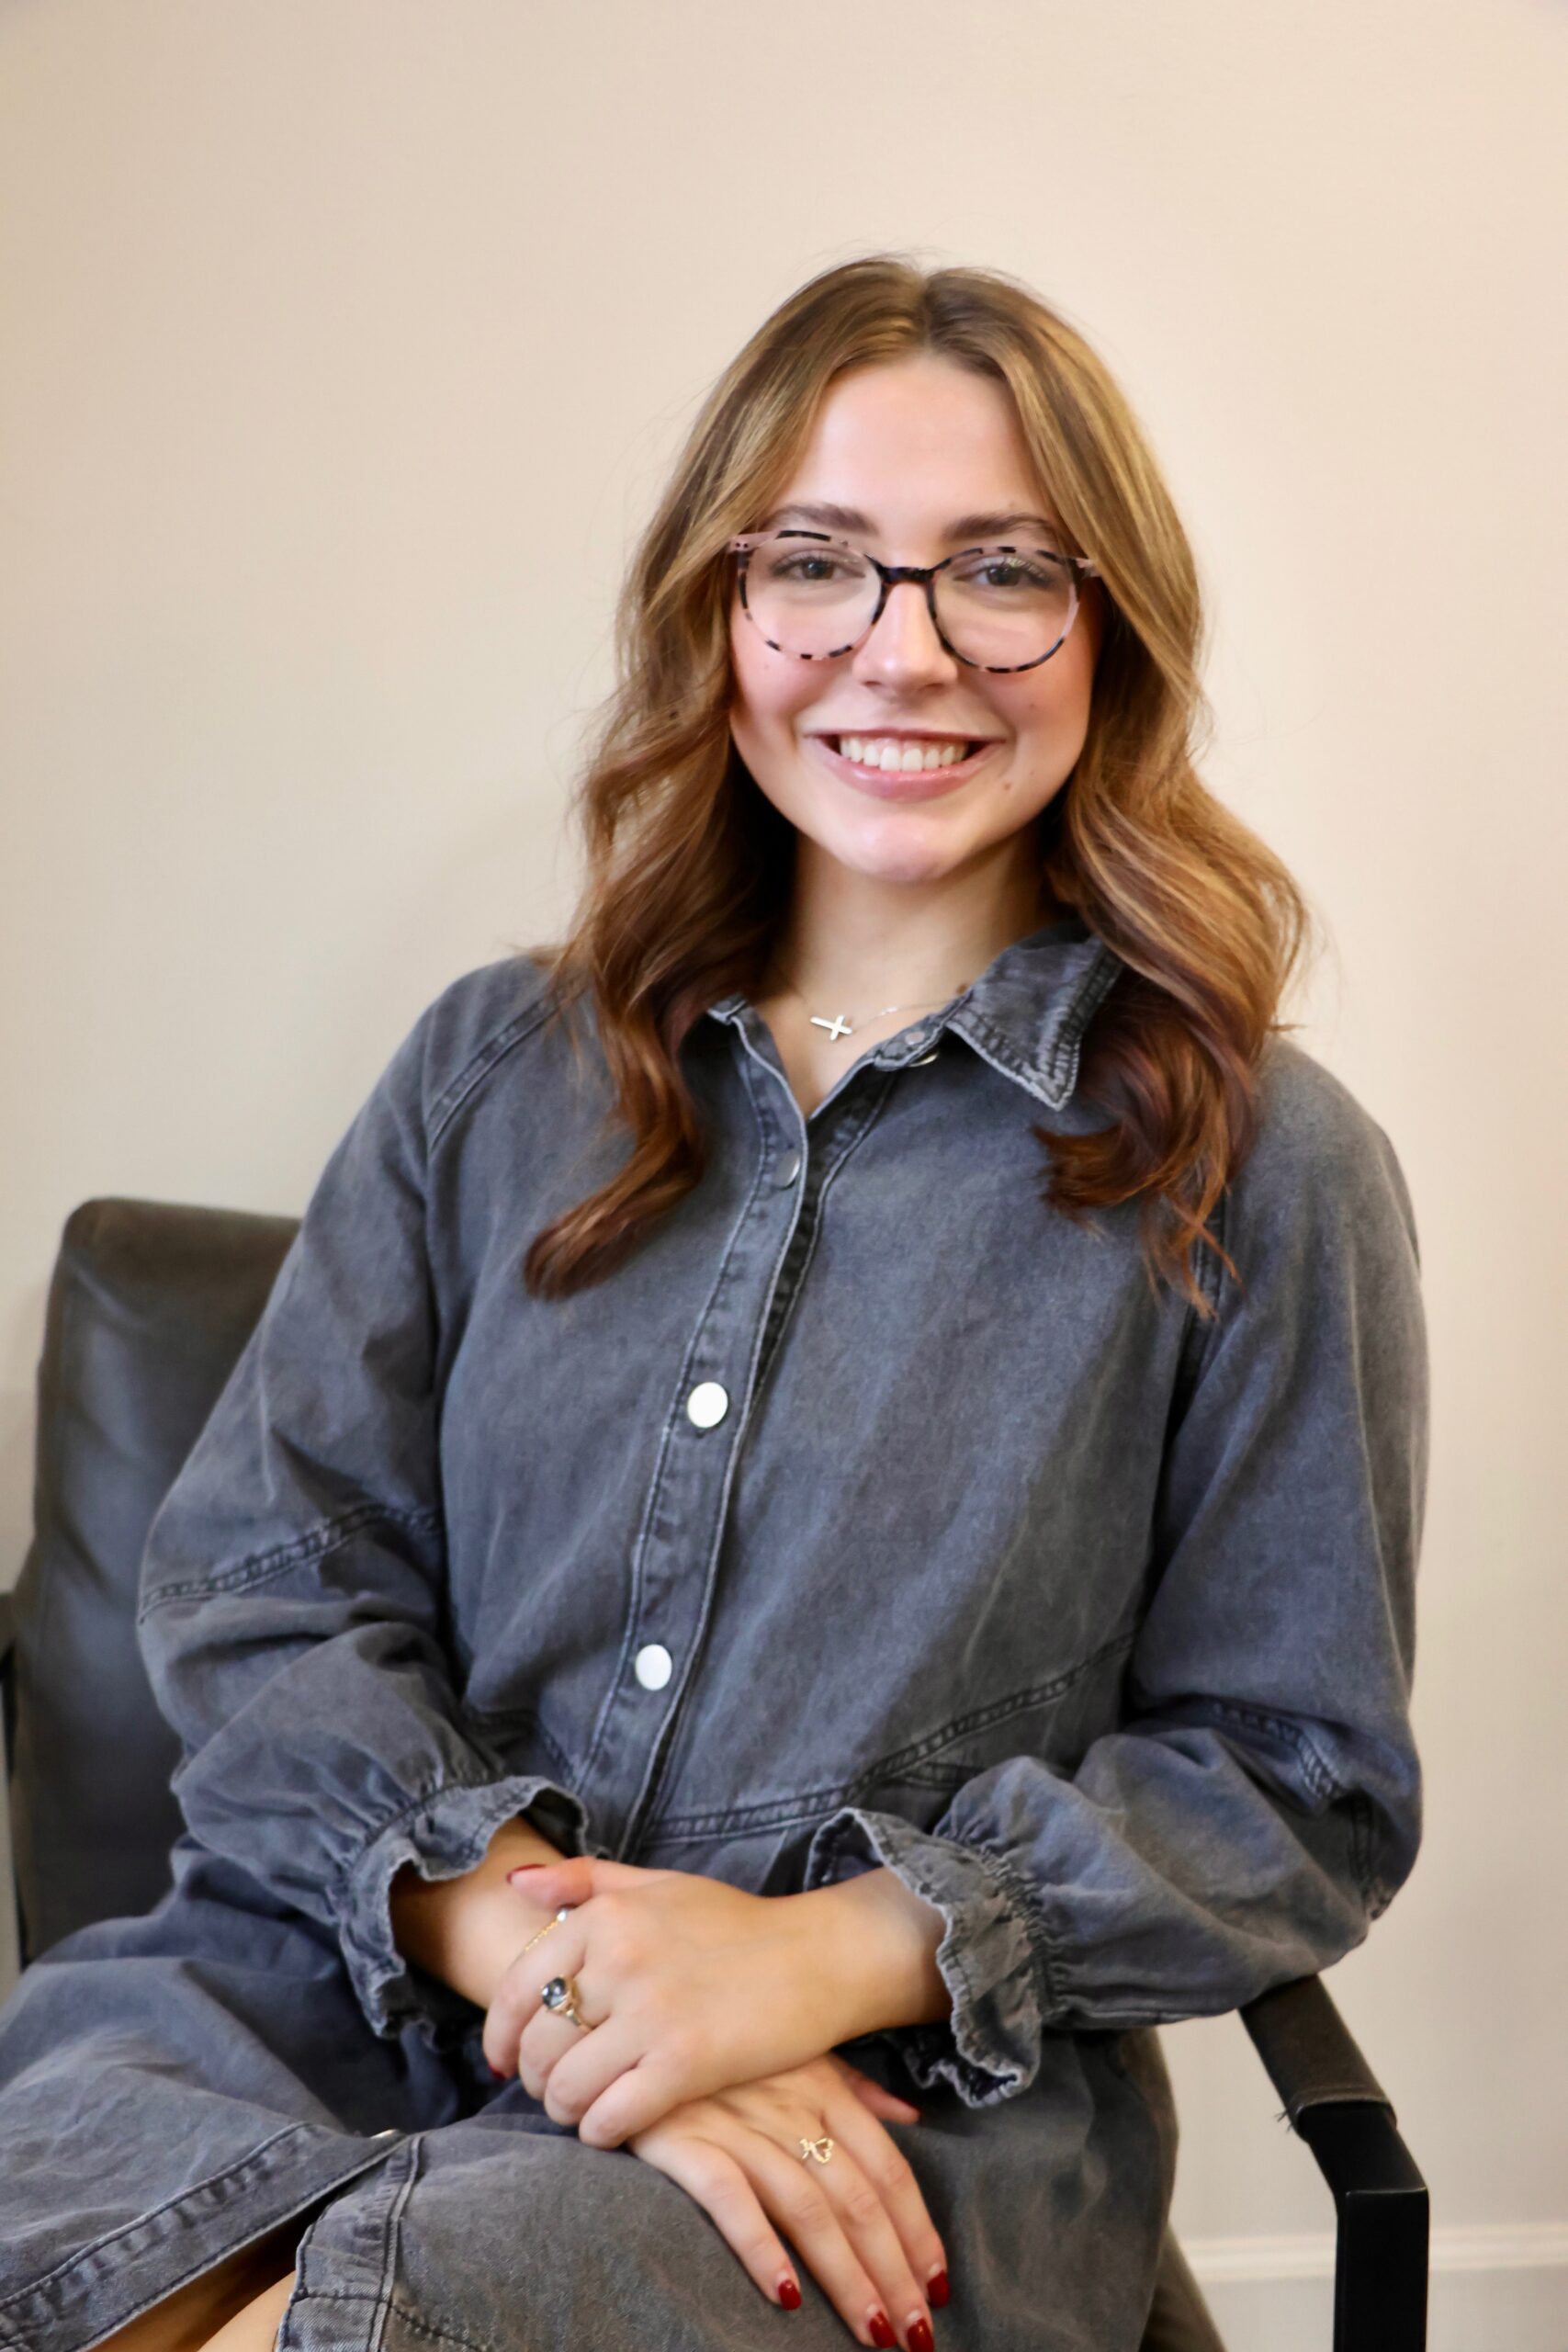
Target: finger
[[643, 2091], [712, 2178], [571, 1880], [883, 2163], [832, 2217], [572, 2073], [584, 1874], [885, 2103], [515, 2000]]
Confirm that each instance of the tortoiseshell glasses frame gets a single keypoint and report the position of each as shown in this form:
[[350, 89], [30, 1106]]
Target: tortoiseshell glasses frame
[[745, 545]]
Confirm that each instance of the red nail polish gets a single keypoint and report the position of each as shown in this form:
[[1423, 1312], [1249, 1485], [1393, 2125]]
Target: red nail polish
[[936, 2289], [882, 2330], [789, 2294], [526, 1866], [920, 2336]]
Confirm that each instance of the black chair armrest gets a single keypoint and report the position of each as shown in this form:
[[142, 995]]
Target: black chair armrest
[[1382, 2210]]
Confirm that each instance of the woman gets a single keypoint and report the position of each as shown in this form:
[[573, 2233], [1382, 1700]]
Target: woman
[[825, 1506]]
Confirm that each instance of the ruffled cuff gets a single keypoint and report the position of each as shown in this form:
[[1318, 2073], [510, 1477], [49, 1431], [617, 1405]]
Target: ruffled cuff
[[448, 1833], [992, 1957]]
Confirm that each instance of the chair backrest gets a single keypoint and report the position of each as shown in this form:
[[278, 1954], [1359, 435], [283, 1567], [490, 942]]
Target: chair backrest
[[149, 1309]]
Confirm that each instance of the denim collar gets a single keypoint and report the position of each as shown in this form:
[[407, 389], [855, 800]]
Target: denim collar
[[1025, 1014]]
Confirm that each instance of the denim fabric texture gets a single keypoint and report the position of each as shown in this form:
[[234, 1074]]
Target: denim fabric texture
[[871, 1513]]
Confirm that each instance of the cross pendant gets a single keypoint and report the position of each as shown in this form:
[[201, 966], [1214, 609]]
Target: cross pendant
[[837, 1027]]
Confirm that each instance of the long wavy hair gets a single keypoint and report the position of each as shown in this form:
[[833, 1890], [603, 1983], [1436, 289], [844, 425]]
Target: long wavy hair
[[688, 865]]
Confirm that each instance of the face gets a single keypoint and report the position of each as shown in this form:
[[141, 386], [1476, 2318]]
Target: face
[[914, 446]]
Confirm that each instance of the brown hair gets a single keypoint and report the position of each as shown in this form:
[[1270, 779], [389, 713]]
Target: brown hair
[[689, 865]]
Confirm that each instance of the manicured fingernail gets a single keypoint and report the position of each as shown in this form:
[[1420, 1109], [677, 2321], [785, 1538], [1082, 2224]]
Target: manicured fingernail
[[920, 2338], [789, 2293], [936, 2287], [881, 2329]]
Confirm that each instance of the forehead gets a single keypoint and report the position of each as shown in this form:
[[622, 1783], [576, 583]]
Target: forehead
[[918, 445]]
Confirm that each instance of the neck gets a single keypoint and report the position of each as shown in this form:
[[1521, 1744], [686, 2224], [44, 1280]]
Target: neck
[[852, 941]]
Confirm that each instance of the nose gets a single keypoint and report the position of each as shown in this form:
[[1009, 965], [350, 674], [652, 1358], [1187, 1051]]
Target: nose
[[904, 644]]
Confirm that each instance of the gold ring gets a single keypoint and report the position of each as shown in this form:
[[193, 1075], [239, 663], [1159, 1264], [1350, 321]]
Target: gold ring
[[560, 1994], [821, 2149]]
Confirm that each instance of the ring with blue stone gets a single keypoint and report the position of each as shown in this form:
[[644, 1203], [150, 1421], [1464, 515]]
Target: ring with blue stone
[[560, 1994]]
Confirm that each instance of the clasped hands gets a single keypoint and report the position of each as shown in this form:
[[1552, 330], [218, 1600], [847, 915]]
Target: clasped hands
[[690, 1985]]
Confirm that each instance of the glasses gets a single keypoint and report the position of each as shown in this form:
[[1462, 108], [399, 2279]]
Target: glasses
[[993, 607]]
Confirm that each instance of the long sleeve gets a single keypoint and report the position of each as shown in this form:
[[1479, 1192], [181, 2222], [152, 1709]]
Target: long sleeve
[[293, 1584], [1261, 1803]]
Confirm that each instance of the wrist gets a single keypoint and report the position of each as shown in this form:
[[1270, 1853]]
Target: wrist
[[467, 1930], [877, 1943]]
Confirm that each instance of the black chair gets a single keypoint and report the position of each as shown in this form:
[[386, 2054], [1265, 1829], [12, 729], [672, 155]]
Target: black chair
[[149, 1307]]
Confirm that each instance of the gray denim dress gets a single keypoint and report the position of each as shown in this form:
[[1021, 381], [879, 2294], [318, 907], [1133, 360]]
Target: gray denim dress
[[872, 1512]]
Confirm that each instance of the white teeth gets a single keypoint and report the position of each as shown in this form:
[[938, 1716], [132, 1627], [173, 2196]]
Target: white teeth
[[893, 751]]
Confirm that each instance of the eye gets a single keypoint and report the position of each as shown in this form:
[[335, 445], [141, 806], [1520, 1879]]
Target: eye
[[805, 567], [1010, 571]]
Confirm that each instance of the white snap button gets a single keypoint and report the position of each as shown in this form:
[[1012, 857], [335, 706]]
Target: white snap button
[[708, 1404], [653, 1666], [387, 2134], [922, 1060], [787, 1170]]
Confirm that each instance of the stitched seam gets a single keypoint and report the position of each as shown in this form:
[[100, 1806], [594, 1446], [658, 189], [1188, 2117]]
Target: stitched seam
[[390, 2244], [1363, 1838], [1322, 1779], [1096, 986], [256, 1568], [648, 1796], [515, 1031], [62, 2269], [778, 1812], [496, 1722], [408, 2319], [701, 1329]]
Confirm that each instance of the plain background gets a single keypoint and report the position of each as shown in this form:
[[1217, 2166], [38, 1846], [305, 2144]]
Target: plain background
[[345, 345]]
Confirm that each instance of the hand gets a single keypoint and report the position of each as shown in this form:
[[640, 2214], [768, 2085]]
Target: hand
[[859, 2221], [690, 1984]]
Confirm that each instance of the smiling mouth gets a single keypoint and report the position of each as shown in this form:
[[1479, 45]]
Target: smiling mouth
[[896, 754], [944, 764]]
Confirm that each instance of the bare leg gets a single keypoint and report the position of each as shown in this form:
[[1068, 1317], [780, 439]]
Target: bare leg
[[186, 2320], [254, 2329]]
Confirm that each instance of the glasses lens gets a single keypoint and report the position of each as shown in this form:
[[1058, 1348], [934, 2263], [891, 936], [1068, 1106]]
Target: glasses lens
[[809, 596], [1002, 607], [1005, 607]]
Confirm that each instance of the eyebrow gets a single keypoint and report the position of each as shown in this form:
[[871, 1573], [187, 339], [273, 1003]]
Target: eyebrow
[[850, 518]]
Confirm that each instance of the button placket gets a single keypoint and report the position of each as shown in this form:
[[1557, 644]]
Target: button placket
[[686, 1513], [682, 1526]]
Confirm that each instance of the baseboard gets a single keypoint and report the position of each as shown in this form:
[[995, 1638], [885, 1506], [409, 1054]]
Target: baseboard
[[1498, 2289]]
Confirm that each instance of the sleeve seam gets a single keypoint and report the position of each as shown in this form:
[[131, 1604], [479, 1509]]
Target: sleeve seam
[[257, 1567], [514, 1032], [1324, 1781]]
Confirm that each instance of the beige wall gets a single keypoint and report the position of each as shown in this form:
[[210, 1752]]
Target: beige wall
[[343, 345]]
